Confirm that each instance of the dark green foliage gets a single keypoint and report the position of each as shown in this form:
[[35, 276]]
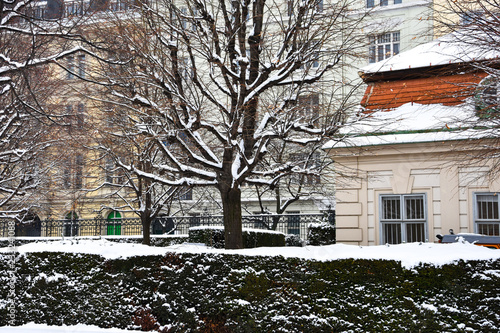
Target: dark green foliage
[[159, 241], [293, 240], [321, 234], [214, 237], [231, 293], [209, 236]]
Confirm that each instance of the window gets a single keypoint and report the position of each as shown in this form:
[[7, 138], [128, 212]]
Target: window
[[486, 215], [80, 116], [185, 68], [309, 163], [403, 218], [118, 5], [186, 194], [81, 65], [70, 63], [39, 11], [113, 174], [383, 46], [308, 107], [79, 171], [290, 7], [114, 223], [487, 97], [371, 3], [183, 18], [72, 173], [319, 6]]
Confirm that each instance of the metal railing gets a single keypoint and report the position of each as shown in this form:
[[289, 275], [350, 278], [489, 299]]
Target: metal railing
[[296, 224]]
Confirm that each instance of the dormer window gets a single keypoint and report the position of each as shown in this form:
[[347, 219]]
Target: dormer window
[[487, 97]]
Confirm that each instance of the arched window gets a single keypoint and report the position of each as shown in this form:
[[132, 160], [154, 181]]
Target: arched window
[[114, 225], [71, 224]]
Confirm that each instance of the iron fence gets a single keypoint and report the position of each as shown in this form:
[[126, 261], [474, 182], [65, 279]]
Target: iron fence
[[296, 224]]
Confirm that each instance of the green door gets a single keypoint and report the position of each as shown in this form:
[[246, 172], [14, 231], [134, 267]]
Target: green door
[[114, 226]]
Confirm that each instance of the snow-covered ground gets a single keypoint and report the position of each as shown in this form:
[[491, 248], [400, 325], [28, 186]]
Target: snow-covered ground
[[410, 255]]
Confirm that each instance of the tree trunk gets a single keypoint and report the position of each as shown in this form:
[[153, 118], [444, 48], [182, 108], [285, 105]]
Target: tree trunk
[[146, 230], [231, 205]]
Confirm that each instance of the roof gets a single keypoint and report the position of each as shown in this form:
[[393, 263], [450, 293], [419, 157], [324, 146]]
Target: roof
[[412, 123], [453, 48], [420, 100], [445, 90]]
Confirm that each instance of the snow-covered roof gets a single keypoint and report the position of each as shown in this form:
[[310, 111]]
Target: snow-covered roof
[[452, 48], [413, 123]]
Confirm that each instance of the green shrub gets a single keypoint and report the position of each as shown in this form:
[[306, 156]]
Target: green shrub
[[210, 236], [182, 292], [214, 237], [321, 234], [293, 240]]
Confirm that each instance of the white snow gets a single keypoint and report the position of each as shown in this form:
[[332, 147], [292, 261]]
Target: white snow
[[410, 255], [446, 50], [421, 122], [32, 327]]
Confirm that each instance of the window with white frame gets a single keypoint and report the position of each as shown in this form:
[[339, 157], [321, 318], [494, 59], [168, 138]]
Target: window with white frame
[[486, 214], [372, 3], [403, 218], [383, 46]]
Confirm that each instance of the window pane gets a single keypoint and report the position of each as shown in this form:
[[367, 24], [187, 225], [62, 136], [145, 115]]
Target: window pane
[[384, 2], [392, 233], [388, 52], [391, 208], [489, 229], [395, 48], [372, 54], [370, 3], [397, 1], [487, 207], [395, 36], [415, 232], [380, 52], [414, 207]]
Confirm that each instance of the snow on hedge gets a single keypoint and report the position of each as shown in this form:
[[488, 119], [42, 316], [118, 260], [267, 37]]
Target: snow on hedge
[[410, 255], [31, 327]]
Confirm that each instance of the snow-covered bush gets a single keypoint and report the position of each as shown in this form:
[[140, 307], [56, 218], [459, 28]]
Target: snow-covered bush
[[321, 234], [188, 292], [294, 240], [214, 236]]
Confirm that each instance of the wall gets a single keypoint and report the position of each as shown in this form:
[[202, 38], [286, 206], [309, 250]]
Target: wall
[[429, 168]]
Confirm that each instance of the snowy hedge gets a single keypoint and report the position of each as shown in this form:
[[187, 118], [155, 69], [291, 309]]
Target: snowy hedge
[[214, 237], [231, 293], [321, 234], [156, 240]]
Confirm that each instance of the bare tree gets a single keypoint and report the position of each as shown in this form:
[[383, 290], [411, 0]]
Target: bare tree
[[474, 38], [214, 85], [35, 39]]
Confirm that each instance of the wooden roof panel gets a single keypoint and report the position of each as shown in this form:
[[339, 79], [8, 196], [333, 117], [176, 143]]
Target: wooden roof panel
[[447, 90]]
